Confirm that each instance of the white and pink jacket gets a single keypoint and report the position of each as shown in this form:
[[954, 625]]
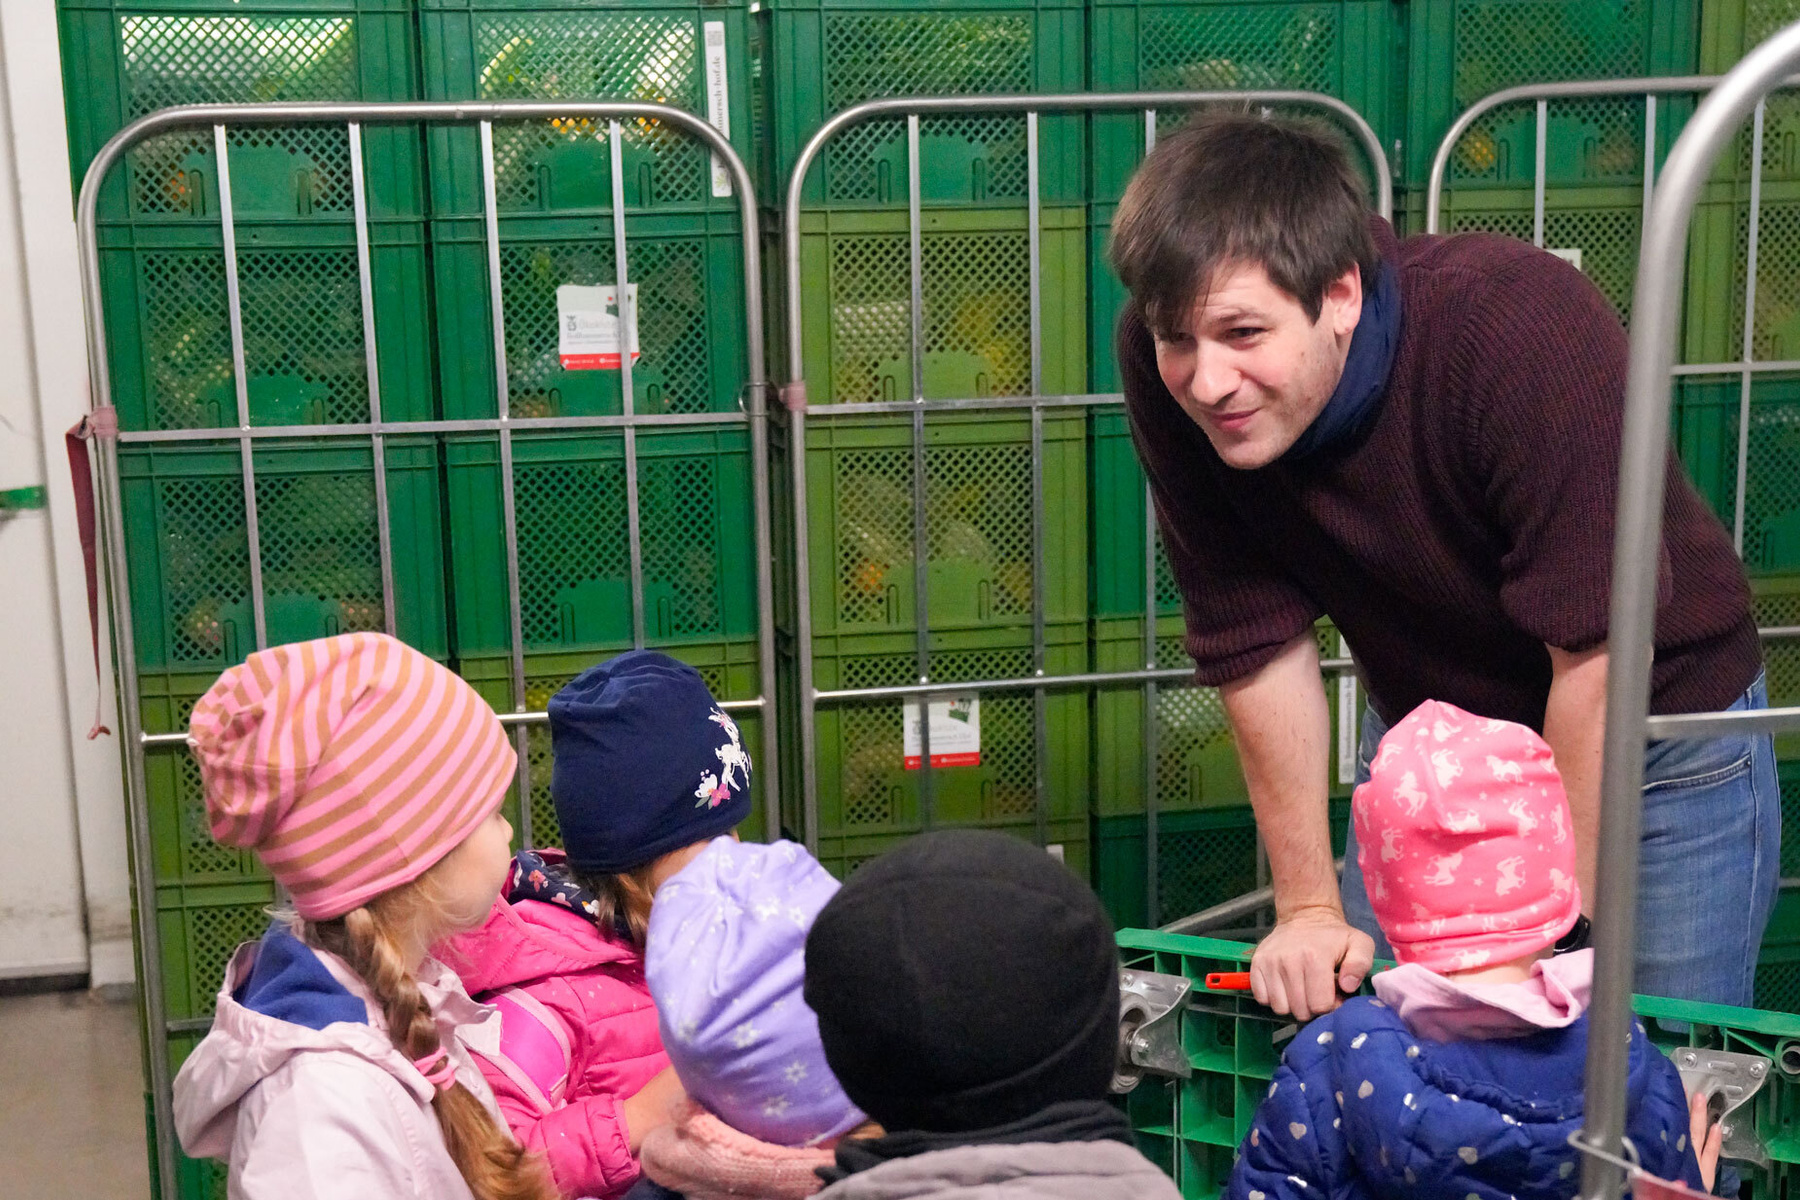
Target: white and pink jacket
[[300, 1090]]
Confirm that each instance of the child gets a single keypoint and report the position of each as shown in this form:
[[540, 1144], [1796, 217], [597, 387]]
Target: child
[[646, 770], [368, 779], [726, 963], [967, 990], [1465, 1077]]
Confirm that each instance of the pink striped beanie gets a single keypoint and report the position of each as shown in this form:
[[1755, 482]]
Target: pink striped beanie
[[1465, 841], [350, 764]]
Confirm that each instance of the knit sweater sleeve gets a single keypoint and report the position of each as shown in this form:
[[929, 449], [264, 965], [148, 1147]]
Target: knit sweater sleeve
[[1541, 359], [1240, 608]]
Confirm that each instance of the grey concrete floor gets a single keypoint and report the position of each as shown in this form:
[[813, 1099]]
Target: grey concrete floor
[[72, 1091]]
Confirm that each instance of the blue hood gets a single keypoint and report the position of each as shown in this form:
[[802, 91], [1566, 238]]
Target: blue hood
[[1361, 1108], [289, 983]]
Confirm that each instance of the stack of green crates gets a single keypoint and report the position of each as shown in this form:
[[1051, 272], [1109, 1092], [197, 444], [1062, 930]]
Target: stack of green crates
[[1594, 152], [976, 288], [1191, 1128]]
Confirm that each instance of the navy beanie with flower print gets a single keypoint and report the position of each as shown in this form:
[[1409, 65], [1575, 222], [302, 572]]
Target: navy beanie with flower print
[[644, 762]]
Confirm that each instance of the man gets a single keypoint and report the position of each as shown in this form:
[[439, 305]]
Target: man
[[1421, 440]]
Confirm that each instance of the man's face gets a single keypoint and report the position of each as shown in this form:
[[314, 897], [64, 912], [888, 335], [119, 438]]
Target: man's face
[[1251, 369]]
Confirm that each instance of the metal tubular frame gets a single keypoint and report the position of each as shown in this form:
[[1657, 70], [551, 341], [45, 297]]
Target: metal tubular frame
[[794, 399], [752, 413], [1746, 367], [1656, 308]]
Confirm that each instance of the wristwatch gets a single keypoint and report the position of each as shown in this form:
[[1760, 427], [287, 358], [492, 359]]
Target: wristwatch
[[1577, 937]]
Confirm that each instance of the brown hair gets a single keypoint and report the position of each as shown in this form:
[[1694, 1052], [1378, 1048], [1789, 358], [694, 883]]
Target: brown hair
[[1238, 187], [371, 940], [621, 901]]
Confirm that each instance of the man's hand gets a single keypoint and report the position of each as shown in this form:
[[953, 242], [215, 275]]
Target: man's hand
[[1308, 962]]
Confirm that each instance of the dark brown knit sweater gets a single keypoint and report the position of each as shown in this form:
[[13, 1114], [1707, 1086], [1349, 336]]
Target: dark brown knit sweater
[[1473, 524]]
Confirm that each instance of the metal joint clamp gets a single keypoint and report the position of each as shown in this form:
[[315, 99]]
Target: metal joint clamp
[[1150, 1008]]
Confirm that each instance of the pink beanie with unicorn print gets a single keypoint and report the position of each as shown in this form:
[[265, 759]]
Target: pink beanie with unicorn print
[[1465, 841]]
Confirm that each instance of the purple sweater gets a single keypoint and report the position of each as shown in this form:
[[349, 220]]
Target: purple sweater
[[1471, 527]]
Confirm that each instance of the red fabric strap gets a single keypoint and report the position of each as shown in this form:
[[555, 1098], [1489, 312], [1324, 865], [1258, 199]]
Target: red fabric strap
[[101, 423]]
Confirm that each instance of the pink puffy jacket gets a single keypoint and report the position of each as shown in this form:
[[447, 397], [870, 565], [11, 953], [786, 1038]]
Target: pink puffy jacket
[[549, 967]]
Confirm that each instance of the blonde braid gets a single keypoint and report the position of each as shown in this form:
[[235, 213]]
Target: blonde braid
[[494, 1165]]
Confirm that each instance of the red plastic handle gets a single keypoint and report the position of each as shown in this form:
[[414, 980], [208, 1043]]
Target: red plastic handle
[[1228, 981]]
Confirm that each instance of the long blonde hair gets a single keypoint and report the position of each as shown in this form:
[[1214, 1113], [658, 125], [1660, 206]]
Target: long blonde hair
[[372, 939]]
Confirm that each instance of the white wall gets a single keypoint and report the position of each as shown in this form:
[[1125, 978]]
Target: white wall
[[64, 884]]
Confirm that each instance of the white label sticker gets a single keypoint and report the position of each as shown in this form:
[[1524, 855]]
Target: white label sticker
[[955, 732], [718, 100], [1346, 723], [587, 326], [1569, 254]]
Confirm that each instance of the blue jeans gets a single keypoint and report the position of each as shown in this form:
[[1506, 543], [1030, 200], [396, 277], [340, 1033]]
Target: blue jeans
[[1711, 861]]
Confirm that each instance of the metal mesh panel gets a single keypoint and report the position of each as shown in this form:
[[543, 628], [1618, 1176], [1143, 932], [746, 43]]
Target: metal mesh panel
[[977, 309], [1199, 868], [672, 372], [168, 60], [303, 336], [872, 776], [572, 529], [320, 549], [213, 932], [978, 511], [187, 343], [205, 558], [618, 55], [1776, 334], [1202, 47], [874, 55], [1499, 44]]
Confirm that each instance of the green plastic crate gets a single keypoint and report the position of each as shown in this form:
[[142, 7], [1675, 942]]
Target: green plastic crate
[[730, 672], [827, 55], [1707, 435], [199, 926], [1718, 267], [1351, 49], [566, 50], [1116, 572], [1203, 857], [574, 553], [1603, 223], [305, 358], [688, 268], [975, 267], [978, 521], [1463, 50], [1729, 28], [869, 802], [122, 60], [1191, 1128], [321, 568]]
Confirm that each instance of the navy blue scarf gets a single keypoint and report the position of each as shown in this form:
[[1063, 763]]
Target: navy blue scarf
[[1356, 403]]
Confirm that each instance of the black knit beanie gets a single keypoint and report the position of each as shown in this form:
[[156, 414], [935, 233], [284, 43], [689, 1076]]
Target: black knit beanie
[[965, 980]]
